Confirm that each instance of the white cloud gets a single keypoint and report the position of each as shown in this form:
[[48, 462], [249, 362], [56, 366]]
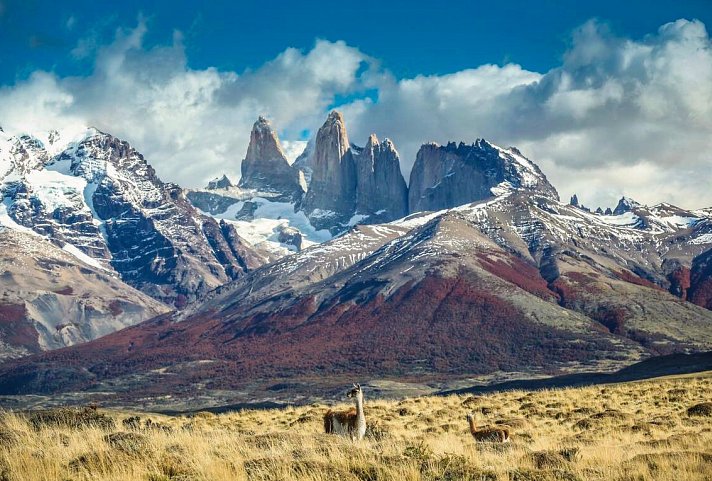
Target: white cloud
[[191, 124], [616, 111], [617, 117]]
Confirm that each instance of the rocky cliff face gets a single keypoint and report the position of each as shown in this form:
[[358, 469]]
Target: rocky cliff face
[[457, 174], [381, 193], [331, 197], [626, 204], [346, 180], [266, 168]]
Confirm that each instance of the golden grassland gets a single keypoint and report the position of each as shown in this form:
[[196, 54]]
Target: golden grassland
[[635, 432]]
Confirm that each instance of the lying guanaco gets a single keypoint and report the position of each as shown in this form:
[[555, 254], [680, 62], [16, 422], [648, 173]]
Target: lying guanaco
[[487, 434]]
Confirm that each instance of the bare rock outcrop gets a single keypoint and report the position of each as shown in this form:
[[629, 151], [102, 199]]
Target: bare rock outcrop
[[381, 193], [347, 180], [331, 198], [266, 168], [456, 174]]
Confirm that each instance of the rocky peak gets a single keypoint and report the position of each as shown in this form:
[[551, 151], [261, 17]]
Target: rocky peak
[[265, 167], [381, 192], [458, 173], [372, 142], [219, 183], [331, 197], [626, 204], [332, 141], [348, 180], [27, 153]]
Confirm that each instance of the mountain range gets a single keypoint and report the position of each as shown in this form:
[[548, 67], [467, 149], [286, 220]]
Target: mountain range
[[327, 268]]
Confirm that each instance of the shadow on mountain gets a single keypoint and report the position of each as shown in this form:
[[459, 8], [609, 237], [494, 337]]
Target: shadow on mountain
[[671, 365]]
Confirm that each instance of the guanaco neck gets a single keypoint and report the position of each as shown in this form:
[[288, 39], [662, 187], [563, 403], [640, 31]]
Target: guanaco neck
[[359, 407], [473, 428]]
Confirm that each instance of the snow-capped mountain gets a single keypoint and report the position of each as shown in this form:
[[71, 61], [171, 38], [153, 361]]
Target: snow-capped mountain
[[455, 174], [99, 197]]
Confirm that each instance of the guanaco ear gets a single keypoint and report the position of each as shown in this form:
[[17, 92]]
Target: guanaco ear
[[358, 386]]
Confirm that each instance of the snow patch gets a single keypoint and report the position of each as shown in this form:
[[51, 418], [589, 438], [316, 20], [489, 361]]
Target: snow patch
[[82, 256], [55, 189], [702, 239], [269, 218], [356, 218], [625, 219]]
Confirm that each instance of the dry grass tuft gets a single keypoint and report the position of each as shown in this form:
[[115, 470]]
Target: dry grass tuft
[[70, 418], [644, 431], [702, 409]]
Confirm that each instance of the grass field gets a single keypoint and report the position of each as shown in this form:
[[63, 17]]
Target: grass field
[[659, 429]]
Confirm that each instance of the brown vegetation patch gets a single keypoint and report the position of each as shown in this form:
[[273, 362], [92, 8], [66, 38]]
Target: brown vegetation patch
[[611, 414], [15, 329], [519, 273], [523, 474], [547, 460], [517, 423]]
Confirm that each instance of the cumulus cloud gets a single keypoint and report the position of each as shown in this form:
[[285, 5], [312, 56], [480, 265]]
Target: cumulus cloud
[[191, 124], [618, 116]]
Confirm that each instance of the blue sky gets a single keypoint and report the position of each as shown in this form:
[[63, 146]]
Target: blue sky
[[611, 98], [410, 37]]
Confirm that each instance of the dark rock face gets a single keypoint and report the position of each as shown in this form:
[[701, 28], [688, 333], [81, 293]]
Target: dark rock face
[[266, 168], [210, 202], [447, 176], [331, 197], [381, 192], [159, 242], [290, 236], [626, 204], [64, 224], [221, 183], [347, 180], [247, 212], [213, 202], [248, 258]]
